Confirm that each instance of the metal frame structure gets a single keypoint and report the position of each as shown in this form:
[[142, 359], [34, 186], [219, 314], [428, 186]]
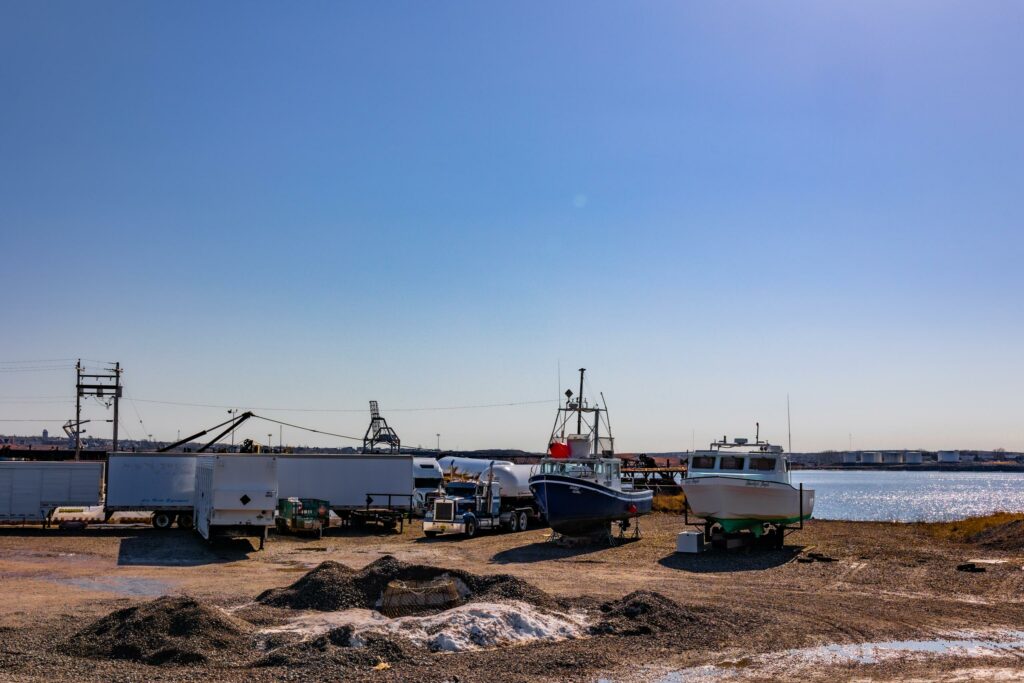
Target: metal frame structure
[[379, 432]]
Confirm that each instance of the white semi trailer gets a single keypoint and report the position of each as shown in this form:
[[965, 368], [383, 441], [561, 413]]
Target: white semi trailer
[[30, 491], [235, 494], [161, 483], [428, 481], [358, 488]]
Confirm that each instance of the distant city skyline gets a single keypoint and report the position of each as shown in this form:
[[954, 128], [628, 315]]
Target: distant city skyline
[[710, 207]]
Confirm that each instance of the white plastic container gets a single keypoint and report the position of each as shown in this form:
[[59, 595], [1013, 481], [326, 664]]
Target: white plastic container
[[579, 446], [31, 491], [690, 542]]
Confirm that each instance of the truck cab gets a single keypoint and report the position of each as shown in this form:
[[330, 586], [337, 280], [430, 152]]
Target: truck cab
[[464, 508]]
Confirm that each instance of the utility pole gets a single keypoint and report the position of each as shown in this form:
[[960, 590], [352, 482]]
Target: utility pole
[[102, 385], [233, 412], [439, 442]]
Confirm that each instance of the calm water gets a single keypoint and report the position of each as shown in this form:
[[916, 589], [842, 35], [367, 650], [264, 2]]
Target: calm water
[[911, 496]]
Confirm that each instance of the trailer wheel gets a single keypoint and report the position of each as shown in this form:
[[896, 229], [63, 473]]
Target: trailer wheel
[[471, 527], [513, 523], [162, 520], [523, 521], [185, 521]]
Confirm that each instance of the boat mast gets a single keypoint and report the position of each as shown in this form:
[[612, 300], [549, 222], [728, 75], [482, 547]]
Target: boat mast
[[579, 405]]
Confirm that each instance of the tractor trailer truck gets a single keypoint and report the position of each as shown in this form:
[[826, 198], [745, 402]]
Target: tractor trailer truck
[[481, 495]]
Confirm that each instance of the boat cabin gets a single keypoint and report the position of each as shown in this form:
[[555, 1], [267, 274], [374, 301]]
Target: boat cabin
[[754, 465], [598, 470]]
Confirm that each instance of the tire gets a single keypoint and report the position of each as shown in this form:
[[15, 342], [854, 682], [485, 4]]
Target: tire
[[513, 522], [185, 521], [523, 521], [162, 520], [470, 527], [430, 534]]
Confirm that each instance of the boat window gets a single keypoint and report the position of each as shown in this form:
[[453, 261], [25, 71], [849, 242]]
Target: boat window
[[762, 464], [703, 462], [730, 462]]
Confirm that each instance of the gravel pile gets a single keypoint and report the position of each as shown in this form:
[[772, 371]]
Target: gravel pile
[[646, 612], [171, 630], [1008, 536], [331, 586], [336, 648]]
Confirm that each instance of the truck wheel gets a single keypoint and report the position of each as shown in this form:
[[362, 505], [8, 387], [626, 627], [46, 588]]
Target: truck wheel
[[513, 523], [162, 520], [185, 521], [430, 534], [523, 521], [470, 528]]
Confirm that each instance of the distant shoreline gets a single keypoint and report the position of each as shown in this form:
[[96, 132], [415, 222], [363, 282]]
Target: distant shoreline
[[926, 467]]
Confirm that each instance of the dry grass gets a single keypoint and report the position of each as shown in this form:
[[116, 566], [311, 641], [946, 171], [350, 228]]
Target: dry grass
[[666, 503], [965, 529]]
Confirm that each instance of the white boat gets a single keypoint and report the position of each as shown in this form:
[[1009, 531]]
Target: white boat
[[745, 489]]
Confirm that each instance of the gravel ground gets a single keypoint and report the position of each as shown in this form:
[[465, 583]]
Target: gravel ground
[[655, 612]]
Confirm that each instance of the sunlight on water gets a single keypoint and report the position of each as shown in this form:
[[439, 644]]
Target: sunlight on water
[[911, 496]]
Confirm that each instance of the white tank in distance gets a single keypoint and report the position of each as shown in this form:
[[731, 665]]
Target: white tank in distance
[[513, 479]]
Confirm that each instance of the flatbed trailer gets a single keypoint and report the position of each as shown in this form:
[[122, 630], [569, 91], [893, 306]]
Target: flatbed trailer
[[362, 489]]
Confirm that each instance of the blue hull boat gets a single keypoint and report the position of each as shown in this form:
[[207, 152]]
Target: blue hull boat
[[575, 507], [579, 484]]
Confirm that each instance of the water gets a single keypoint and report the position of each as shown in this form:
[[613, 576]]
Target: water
[[873, 495]]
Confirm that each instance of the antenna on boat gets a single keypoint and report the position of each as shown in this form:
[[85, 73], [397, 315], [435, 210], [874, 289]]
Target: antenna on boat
[[579, 404], [789, 426]]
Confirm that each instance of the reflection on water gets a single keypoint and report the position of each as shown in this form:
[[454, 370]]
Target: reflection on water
[[872, 495]]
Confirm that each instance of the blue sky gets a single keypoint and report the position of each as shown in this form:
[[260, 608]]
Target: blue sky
[[708, 205]]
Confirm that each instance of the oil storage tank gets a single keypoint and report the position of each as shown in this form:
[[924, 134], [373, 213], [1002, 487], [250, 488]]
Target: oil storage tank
[[912, 458], [871, 458], [948, 456]]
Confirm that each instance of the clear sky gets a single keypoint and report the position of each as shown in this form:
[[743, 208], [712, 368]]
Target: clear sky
[[709, 205]]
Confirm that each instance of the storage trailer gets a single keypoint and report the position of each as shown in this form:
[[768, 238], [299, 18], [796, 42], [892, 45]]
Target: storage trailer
[[31, 491], [362, 488], [235, 494], [161, 483]]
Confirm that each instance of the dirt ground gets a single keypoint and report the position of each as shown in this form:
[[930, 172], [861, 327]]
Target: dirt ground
[[888, 582]]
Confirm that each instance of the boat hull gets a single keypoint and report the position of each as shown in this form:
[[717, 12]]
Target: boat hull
[[738, 503], [575, 507]]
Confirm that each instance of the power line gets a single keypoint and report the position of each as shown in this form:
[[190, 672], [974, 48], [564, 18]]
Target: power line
[[39, 362], [309, 429], [346, 410]]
